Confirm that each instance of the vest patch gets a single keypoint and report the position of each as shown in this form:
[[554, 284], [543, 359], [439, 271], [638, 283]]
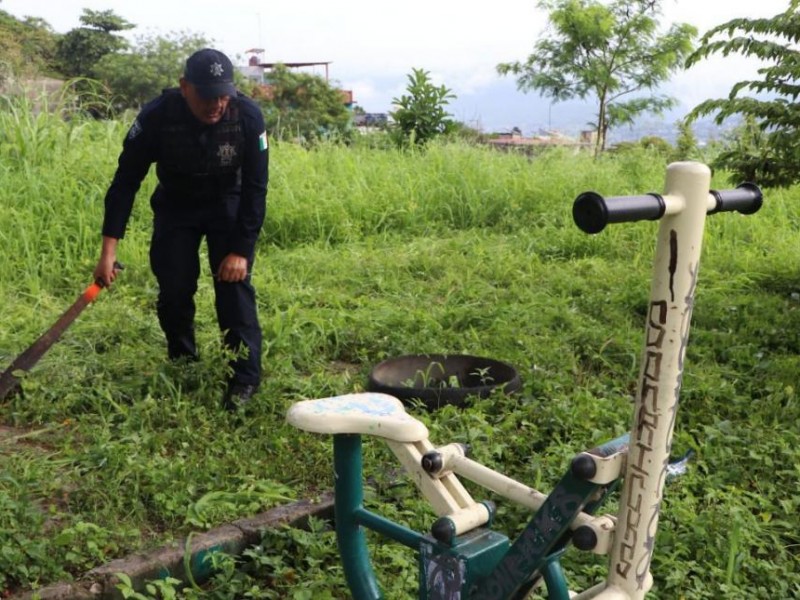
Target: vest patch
[[226, 154], [135, 129]]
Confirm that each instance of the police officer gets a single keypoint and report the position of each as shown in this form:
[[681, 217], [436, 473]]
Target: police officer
[[210, 148]]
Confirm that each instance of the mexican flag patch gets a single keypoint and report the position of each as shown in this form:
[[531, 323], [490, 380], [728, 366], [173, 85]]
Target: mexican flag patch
[[263, 144]]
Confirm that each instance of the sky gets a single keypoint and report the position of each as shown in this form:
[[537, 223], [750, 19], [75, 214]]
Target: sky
[[374, 45]]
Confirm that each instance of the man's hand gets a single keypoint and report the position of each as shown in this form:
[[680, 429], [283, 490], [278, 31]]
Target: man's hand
[[232, 269], [106, 270]]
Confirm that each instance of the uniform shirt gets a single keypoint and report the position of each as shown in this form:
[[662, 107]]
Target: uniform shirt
[[143, 146]]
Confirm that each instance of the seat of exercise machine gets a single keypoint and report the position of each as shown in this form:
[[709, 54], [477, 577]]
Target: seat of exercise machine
[[369, 413]]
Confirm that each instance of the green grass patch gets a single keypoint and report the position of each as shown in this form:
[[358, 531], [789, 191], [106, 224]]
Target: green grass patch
[[368, 254]]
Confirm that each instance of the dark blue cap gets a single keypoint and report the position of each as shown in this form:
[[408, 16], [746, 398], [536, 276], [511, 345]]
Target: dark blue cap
[[211, 73]]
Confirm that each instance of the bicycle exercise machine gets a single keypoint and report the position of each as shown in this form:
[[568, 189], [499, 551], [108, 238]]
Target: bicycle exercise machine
[[462, 557]]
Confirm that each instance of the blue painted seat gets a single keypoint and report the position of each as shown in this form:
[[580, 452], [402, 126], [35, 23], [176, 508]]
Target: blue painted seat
[[366, 413]]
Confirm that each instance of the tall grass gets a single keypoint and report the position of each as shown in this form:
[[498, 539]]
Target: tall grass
[[368, 254], [326, 195]]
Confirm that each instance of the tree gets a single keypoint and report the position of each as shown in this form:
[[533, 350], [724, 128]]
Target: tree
[[612, 52], [767, 149], [302, 106], [153, 64], [686, 147], [79, 49], [26, 46], [747, 155], [420, 114]]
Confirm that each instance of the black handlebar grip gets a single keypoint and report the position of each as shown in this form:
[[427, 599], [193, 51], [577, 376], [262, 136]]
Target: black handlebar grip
[[746, 198], [591, 212]]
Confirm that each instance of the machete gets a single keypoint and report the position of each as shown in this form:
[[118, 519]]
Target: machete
[[25, 361]]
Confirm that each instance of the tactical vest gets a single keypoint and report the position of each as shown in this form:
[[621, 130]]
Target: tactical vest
[[199, 162]]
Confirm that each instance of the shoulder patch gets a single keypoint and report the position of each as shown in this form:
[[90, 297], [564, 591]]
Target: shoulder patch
[[263, 143], [135, 129]]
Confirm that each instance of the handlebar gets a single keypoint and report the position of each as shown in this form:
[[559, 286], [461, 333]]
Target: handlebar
[[746, 199], [591, 212]]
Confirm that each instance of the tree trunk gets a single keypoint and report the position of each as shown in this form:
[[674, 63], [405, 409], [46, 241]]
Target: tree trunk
[[600, 142]]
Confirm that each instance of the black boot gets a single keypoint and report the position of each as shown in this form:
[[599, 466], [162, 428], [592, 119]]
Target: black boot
[[237, 395]]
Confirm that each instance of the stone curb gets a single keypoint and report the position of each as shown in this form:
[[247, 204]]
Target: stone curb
[[172, 560]]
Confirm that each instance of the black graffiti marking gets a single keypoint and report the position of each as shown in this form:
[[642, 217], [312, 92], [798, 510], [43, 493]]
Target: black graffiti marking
[[646, 424], [656, 318], [643, 566], [630, 539], [687, 313], [533, 544], [647, 420], [445, 576], [673, 262], [652, 365], [686, 317]]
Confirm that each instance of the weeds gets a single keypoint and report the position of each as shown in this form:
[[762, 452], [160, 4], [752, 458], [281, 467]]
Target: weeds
[[369, 254]]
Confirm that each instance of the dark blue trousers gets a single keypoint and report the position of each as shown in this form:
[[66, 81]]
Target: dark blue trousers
[[175, 260]]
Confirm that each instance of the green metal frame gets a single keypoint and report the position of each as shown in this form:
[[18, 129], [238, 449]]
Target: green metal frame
[[481, 564]]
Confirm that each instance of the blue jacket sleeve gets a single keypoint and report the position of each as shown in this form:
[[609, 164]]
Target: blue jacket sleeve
[[255, 176]]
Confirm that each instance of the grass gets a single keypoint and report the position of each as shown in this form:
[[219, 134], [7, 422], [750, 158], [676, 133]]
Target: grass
[[366, 255]]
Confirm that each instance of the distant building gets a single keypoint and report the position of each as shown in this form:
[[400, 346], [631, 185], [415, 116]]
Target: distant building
[[252, 70], [514, 140], [347, 98], [374, 120], [257, 70], [589, 137]]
